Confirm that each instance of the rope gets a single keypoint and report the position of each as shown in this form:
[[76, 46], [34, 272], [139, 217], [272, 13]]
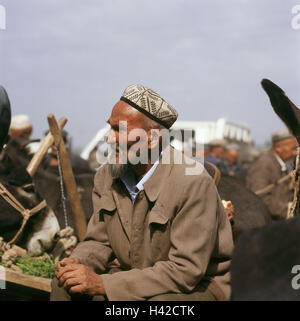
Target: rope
[[269, 187], [217, 173], [296, 180], [62, 190], [10, 199]]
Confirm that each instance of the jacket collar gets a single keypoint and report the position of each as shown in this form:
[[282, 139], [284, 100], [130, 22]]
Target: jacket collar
[[154, 184], [281, 162]]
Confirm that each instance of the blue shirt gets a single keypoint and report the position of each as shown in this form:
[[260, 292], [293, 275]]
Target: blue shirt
[[212, 159], [130, 182], [238, 169]]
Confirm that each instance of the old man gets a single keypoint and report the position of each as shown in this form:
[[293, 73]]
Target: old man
[[20, 126], [163, 225], [270, 169], [216, 152]]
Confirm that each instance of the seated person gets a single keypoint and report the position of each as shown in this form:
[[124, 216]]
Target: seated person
[[230, 163], [216, 151], [166, 226]]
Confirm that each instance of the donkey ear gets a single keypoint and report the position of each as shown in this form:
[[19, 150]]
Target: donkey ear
[[283, 107], [5, 116]]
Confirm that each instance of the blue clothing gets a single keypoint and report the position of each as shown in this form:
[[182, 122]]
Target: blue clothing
[[238, 169], [213, 160]]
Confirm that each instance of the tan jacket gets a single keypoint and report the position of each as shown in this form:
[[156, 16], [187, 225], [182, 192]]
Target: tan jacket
[[175, 235], [267, 170]]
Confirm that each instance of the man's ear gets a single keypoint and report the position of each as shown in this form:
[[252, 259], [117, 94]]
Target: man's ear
[[276, 148], [153, 140]]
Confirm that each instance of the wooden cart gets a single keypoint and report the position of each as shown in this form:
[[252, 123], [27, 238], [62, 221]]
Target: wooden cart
[[23, 287]]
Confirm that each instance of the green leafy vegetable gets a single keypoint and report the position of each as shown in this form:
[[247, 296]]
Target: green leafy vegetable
[[42, 267]]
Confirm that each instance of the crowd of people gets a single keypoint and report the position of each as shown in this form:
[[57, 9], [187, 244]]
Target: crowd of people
[[266, 171], [226, 157], [266, 175]]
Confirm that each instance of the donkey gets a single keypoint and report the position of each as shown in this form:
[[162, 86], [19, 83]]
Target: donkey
[[15, 179], [266, 261]]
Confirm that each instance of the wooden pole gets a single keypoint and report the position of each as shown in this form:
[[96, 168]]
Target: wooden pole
[[43, 149], [269, 187], [68, 177]]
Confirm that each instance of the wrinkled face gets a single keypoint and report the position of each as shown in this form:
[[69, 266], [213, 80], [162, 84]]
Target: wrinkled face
[[286, 149], [127, 135], [231, 156]]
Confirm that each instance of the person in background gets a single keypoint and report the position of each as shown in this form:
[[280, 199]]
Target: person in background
[[216, 151], [20, 126], [20, 131], [230, 164], [271, 167]]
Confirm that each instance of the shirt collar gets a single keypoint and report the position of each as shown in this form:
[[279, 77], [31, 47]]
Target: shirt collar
[[130, 182], [281, 163]]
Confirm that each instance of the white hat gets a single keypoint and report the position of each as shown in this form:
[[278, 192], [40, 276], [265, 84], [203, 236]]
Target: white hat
[[281, 135], [233, 146], [20, 122], [218, 143]]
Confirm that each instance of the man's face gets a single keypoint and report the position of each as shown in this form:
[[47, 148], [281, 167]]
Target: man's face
[[286, 149], [127, 135], [218, 151], [25, 133], [231, 156]]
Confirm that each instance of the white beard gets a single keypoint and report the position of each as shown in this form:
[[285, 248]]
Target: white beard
[[117, 170]]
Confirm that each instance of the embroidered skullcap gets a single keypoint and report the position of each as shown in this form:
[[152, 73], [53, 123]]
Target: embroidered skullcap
[[20, 122], [151, 104]]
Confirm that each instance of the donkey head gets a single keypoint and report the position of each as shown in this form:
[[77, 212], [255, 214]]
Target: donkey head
[[283, 107]]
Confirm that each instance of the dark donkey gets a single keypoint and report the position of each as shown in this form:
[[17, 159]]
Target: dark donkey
[[249, 209], [266, 261], [18, 196]]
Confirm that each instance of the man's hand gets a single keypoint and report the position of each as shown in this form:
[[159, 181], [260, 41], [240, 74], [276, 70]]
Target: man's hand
[[78, 278], [66, 261], [229, 209]]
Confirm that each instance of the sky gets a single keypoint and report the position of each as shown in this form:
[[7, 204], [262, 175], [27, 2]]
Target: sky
[[206, 58]]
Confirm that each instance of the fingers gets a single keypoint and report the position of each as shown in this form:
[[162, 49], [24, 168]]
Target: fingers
[[71, 282], [77, 289], [68, 268], [66, 276], [69, 260], [82, 280], [66, 261]]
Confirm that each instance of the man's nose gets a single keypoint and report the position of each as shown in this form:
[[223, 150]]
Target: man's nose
[[111, 137]]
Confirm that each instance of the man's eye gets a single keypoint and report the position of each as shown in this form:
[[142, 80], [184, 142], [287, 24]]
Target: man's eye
[[115, 128]]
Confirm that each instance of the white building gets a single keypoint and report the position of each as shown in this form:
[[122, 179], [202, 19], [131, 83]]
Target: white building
[[200, 132]]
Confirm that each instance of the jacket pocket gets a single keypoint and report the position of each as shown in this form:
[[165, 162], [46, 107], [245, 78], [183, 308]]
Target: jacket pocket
[[105, 206], [159, 225], [157, 219]]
